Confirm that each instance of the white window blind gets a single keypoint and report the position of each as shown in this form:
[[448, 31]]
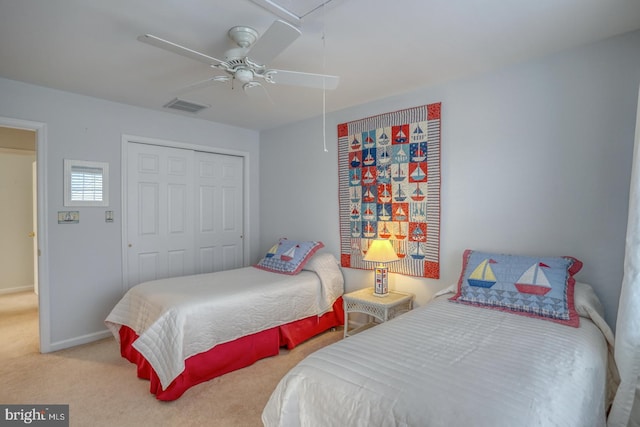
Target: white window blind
[[86, 183]]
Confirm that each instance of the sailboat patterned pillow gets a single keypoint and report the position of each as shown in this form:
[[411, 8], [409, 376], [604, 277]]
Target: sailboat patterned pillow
[[540, 287], [288, 256]]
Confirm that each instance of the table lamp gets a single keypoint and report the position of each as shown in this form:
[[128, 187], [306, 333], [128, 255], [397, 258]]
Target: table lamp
[[381, 252]]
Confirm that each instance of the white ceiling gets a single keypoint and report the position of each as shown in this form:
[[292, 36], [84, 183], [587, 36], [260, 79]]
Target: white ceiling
[[378, 48]]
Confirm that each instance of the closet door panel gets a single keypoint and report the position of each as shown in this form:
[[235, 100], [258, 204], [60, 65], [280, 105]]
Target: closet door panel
[[160, 212], [220, 220]]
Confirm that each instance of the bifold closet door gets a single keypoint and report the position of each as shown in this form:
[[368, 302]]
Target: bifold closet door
[[185, 212]]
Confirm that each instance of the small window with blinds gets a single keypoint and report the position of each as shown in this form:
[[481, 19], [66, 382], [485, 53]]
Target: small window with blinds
[[86, 183]]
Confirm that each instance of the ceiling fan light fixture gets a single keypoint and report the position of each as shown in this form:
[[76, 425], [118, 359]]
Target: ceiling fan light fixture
[[244, 75]]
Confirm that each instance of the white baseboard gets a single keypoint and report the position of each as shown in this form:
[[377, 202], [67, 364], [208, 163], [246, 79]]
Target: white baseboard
[[16, 290], [73, 342]]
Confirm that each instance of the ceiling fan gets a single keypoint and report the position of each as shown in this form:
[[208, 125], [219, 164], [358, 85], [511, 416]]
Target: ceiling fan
[[246, 63]]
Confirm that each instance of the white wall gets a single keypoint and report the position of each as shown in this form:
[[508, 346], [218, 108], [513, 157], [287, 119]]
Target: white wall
[[16, 247], [85, 260], [536, 159]]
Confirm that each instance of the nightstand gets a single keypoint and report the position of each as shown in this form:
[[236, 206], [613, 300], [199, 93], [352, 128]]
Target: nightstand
[[376, 308]]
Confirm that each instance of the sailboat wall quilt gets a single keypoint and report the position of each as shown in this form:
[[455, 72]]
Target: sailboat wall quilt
[[389, 188]]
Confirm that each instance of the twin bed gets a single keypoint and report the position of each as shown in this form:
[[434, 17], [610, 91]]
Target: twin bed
[[483, 353], [185, 330], [449, 364]]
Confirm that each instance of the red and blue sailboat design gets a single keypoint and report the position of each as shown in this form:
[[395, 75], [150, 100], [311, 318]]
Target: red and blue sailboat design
[[368, 196], [355, 195], [288, 255], [355, 213], [400, 195], [368, 160], [534, 281], [385, 233], [418, 174], [419, 253], [355, 161], [482, 276], [384, 174], [368, 141], [399, 175], [368, 214], [368, 177], [383, 139], [384, 157], [369, 231], [400, 156], [417, 194], [419, 155], [385, 196], [355, 178], [384, 213], [418, 134], [400, 214]]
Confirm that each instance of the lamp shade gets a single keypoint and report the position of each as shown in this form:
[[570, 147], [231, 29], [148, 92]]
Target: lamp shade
[[381, 251]]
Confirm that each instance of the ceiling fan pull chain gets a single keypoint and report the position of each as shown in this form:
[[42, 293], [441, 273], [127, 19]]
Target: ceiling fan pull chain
[[324, 86]]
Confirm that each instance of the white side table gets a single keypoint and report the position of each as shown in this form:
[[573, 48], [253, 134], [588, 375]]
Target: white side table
[[375, 307]]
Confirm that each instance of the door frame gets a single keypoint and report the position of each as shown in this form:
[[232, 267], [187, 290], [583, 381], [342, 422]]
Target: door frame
[[44, 300], [126, 139]]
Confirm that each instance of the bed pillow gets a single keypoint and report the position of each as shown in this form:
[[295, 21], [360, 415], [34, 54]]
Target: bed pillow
[[541, 287], [288, 256]]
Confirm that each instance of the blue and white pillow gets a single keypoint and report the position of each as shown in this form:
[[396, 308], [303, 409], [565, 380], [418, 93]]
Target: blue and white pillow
[[288, 256], [540, 287]]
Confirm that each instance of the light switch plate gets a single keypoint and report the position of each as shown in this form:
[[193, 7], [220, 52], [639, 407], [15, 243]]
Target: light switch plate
[[68, 217]]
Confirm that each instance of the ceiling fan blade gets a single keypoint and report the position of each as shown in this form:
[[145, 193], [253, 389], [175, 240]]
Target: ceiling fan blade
[[180, 50], [296, 78], [276, 39], [257, 92]]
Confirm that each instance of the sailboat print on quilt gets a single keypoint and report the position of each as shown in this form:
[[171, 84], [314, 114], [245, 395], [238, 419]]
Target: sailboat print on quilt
[[273, 250], [534, 281], [482, 276], [289, 254]]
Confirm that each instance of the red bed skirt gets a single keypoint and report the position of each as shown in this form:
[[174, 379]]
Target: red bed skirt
[[229, 356]]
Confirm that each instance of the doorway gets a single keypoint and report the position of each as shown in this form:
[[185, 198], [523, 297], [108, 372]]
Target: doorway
[[43, 300], [18, 248]]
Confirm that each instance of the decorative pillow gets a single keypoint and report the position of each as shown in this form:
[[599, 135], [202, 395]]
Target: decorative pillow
[[540, 287], [288, 256]]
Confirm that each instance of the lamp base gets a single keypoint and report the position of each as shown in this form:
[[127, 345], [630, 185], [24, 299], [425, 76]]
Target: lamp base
[[381, 284]]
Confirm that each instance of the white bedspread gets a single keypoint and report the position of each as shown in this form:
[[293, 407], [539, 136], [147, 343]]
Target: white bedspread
[[179, 317], [448, 364]]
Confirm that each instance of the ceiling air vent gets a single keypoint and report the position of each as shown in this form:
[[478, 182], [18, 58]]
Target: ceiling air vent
[[188, 106]]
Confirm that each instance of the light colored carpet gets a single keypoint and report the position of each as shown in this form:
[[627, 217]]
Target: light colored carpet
[[102, 388]]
